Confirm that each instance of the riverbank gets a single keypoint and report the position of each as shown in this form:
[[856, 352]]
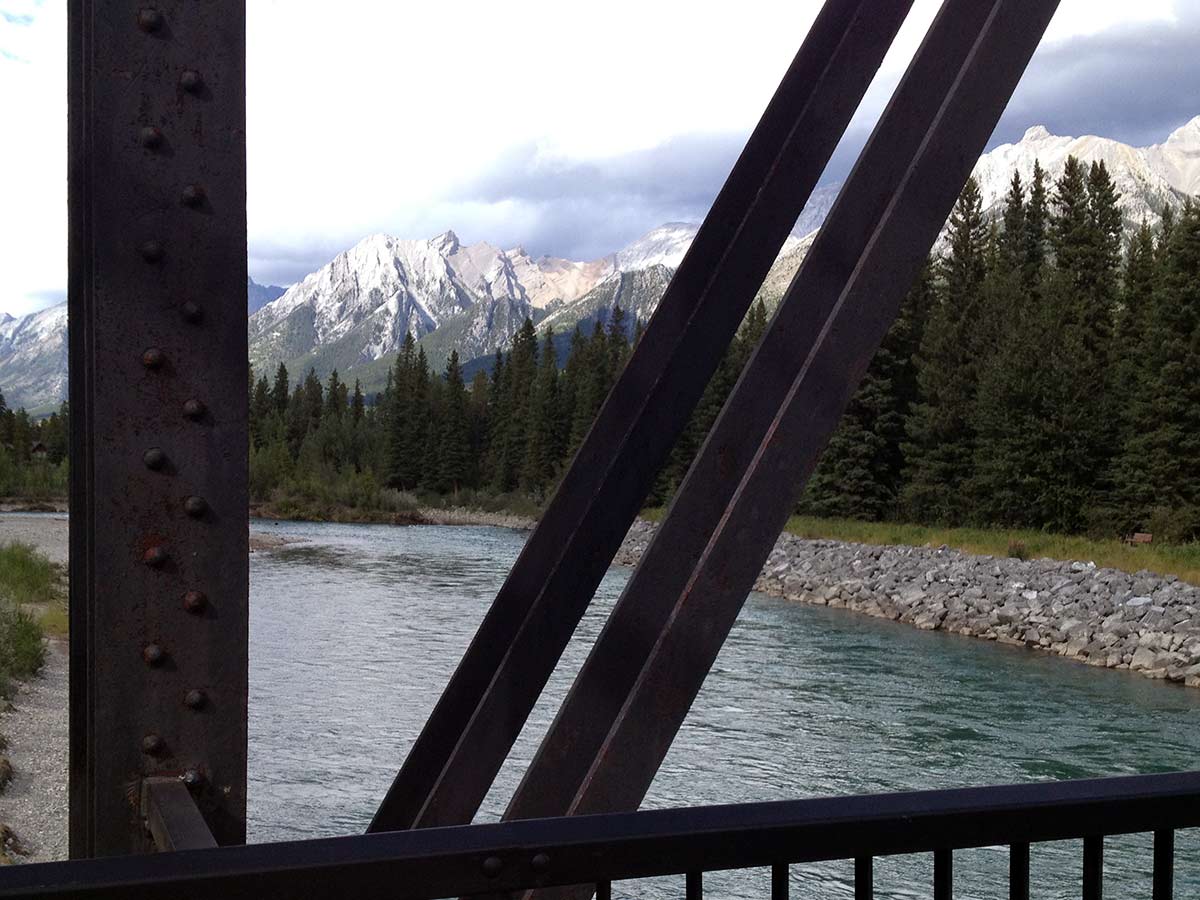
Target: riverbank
[[1141, 622]]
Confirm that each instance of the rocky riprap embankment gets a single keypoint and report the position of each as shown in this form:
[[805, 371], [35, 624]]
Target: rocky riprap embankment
[[1143, 622]]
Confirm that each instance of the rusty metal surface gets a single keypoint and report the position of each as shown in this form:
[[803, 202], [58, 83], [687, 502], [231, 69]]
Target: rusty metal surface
[[172, 818], [158, 406], [650, 661], [455, 759], [576, 738]]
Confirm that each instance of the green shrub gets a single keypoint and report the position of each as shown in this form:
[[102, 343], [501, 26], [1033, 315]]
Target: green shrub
[[26, 576]]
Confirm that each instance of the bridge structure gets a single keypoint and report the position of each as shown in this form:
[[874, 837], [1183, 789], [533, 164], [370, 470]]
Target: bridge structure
[[159, 572]]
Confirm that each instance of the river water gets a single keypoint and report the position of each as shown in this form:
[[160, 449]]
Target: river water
[[354, 629]]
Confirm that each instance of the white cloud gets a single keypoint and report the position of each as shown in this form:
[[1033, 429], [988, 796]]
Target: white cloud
[[368, 115]]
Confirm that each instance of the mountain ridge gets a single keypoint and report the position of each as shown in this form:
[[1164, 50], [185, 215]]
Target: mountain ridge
[[353, 312]]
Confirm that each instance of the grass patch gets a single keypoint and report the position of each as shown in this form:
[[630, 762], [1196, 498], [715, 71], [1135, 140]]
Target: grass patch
[[1181, 560], [28, 582], [27, 576]]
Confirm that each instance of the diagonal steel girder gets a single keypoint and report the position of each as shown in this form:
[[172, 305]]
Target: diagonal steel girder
[[455, 759], [650, 661]]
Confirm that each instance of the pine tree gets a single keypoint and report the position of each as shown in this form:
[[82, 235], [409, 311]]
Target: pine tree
[[1014, 242], [358, 403], [520, 372], [941, 447], [281, 390], [1161, 460], [1037, 215], [860, 472], [454, 453], [543, 449]]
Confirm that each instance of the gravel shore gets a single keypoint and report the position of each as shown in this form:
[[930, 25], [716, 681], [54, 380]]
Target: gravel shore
[[34, 804], [1141, 622]]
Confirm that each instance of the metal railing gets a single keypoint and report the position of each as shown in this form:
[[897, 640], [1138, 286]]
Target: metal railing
[[595, 851]]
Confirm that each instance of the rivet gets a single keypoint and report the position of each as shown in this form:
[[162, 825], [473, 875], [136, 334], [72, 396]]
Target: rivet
[[192, 312], [149, 20], [154, 458], [152, 654], [152, 745], [195, 602], [540, 862], [192, 778], [193, 409], [152, 251], [151, 137], [492, 866], [153, 358], [191, 81], [155, 556], [195, 699], [192, 195], [195, 507]]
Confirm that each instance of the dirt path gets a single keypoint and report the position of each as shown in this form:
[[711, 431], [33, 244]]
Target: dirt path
[[34, 804]]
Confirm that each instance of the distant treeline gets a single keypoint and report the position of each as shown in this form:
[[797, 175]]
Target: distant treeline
[[1038, 377], [1044, 372], [33, 454], [512, 430]]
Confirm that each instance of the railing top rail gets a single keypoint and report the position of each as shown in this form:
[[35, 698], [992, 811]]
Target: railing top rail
[[472, 859]]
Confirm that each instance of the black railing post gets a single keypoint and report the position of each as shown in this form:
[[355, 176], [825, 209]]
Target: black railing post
[[780, 881], [943, 874], [1018, 872], [1164, 864], [864, 878], [1093, 867]]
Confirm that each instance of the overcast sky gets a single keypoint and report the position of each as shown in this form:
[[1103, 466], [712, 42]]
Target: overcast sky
[[567, 128]]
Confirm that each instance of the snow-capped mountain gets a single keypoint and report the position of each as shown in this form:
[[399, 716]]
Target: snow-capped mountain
[[33, 359], [1148, 178], [353, 313]]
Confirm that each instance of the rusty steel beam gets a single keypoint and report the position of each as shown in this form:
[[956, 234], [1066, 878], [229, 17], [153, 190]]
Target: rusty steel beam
[[448, 771], [651, 659], [157, 304], [172, 818]]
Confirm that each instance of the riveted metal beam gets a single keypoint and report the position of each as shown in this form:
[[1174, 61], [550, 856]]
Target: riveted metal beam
[[472, 728], [692, 581], [157, 303]]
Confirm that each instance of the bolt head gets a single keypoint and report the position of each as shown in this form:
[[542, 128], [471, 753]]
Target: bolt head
[[192, 312], [156, 557], [192, 778], [151, 137], [149, 20], [540, 862], [152, 251], [154, 458], [193, 409], [153, 358], [195, 506], [195, 602], [195, 699], [153, 745], [191, 81], [492, 866], [192, 195], [153, 654]]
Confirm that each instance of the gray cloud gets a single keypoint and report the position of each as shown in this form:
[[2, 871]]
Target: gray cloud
[[1134, 84]]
